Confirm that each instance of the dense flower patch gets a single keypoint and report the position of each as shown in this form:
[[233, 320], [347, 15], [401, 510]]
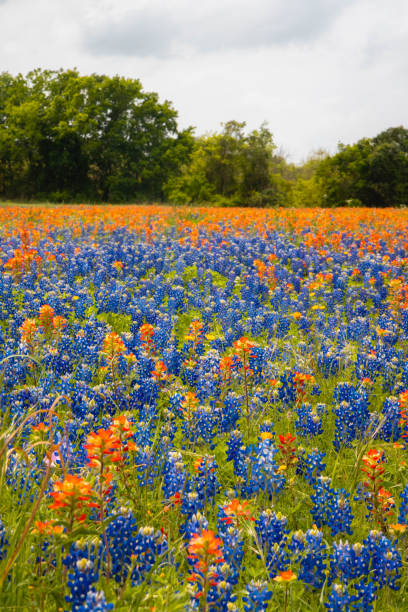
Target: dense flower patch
[[203, 409]]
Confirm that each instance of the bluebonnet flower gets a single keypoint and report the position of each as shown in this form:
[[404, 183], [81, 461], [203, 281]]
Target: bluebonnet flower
[[95, 602], [313, 560], [389, 420], [230, 411], [174, 475], [272, 534], [329, 361], [310, 465], [349, 561], [205, 482], [149, 549], [257, 596], [192, 502], [82, 563], [3, 541], [237, 453], [403, 510], [195, 524], [264, 474], [386, 561], [233, 549], [308, 422], [339, 599], [121, 539], [352, 415], [331, 507]]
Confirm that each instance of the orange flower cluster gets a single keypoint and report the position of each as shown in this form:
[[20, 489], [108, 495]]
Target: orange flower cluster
[[73, 496], [48, 528], [265, 272], [113, 346], [205, 550], [49, 323], [22, 261], [160, 372], [103, 447], [28, 330], [369, 225], [385, 500], [46, 315], [380, 499], [118, 265], [288, 451], [195, 332], [226, 368], [285, 576], [373, 466], [189, 403], [301, 381], [243, 346], [122, 428], [236, 510], [146, 332]]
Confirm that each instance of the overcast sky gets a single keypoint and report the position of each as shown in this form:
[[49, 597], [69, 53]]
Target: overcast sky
[[318, 71]]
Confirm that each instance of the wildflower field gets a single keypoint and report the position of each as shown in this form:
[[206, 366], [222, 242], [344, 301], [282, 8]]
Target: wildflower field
[[203, 409]]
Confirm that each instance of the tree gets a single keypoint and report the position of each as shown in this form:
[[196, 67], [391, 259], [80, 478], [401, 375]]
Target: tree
[[232, 167], [374, 171], [94, 136]]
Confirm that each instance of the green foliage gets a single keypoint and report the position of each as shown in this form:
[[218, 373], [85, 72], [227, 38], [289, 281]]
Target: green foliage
[[372, 172], [307, 192], [232, 168], [119, 322], [64, 137]]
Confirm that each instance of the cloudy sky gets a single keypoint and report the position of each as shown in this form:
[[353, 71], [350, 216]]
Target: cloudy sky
[[318, 71]]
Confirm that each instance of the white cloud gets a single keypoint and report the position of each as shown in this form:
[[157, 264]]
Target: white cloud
[[160, 29], [318, 78]]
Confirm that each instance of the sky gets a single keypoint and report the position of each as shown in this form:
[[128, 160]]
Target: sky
[[319, 72]]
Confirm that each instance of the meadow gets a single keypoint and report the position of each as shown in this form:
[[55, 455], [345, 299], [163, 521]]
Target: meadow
[[203, 409]]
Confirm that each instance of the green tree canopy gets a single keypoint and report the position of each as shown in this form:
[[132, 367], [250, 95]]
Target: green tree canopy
[[95, 137], [373, 172], [232, 167]]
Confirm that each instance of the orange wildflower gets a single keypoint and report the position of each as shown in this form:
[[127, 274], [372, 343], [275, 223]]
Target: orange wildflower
[[146, 334], [47, 528], [41, 427], [287, 450], [225, 367], [113, 346], [236, 509], [59, 323], [28, 330], [101, 445], [243, 346], [160, 371], [74, 494], [385, 500], [372, 461], [398, 527], [205, 549], [195, 331], [121, 426], [189, 403], [286, 576], [46, 315]]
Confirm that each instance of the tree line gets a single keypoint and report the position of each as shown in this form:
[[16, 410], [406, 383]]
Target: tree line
[[67, 137]]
